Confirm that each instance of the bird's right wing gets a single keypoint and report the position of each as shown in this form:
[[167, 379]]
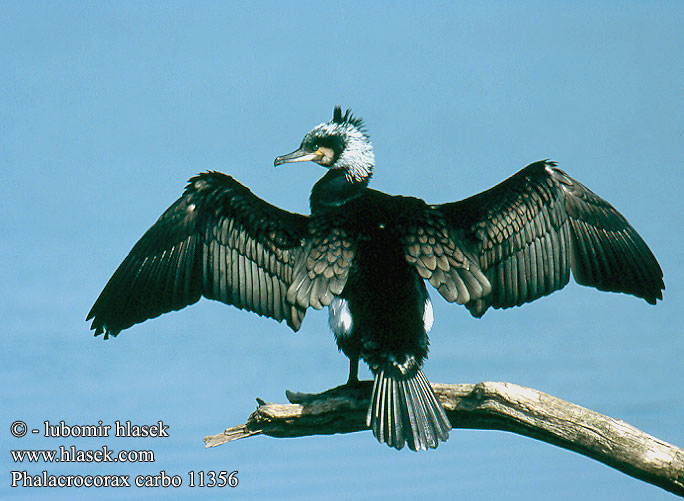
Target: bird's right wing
[[529, 231], [218, 241]]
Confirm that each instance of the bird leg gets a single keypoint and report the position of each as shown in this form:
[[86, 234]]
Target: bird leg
[[361, 390], [353, 388], [353, 380]]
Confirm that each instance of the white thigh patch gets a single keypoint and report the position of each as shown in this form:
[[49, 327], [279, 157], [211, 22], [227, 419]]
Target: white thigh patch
[[339, 317], [428, 315]]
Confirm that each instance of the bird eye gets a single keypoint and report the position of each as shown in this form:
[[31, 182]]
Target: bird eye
[[314, 146]]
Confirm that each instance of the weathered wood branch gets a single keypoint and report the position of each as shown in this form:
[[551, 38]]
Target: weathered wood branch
[[494, 406]]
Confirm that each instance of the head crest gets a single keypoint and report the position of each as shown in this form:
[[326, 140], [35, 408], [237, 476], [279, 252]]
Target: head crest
[[347, 118]]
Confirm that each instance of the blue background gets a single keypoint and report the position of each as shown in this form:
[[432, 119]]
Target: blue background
[[107, 109]]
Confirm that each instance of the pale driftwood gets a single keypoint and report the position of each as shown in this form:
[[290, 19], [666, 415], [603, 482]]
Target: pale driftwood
[[495, 406]]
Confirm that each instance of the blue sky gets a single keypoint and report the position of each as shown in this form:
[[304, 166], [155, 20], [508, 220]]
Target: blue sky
[[107, 109]]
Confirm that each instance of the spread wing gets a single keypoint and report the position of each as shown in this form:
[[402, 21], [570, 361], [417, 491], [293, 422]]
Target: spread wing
[[218, 241], [519, 241]]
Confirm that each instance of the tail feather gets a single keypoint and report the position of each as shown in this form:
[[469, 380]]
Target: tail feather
[[397, 435], [405, 410], [425, 423], [436, 411]]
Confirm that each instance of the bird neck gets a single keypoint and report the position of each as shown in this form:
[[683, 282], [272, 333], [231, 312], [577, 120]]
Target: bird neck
[[335, 189]]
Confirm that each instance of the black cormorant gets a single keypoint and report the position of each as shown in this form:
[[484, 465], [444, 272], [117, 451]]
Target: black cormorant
[[366, 255]]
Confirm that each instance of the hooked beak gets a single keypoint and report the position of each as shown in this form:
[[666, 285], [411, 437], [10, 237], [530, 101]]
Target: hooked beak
[[298, 156]]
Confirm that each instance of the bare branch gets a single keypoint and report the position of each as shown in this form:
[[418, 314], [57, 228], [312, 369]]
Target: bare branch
[[494, 406]]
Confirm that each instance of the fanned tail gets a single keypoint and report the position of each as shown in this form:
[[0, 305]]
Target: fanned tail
[[405, 410]]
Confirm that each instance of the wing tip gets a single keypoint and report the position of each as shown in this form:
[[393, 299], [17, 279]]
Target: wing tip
[[101, 327], [655, 296]]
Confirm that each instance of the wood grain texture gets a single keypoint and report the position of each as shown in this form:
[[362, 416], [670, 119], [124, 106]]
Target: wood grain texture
[[487, 405]]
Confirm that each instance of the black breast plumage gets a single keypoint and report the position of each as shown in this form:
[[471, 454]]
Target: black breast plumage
[[369, 254]]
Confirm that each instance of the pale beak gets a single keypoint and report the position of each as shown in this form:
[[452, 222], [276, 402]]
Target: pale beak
[[298, 156]]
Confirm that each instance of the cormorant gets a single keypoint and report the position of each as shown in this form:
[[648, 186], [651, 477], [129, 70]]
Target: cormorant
[[366, 255]]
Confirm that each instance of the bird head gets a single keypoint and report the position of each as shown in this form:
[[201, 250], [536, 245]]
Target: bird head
[[342, 143]]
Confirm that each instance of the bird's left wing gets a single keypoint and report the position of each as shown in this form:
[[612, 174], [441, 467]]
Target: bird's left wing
[[218, 241]]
